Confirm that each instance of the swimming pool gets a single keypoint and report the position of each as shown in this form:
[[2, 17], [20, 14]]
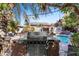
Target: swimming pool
[[63, 38]]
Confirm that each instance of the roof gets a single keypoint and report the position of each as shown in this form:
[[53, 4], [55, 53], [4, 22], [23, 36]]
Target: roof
[[40, 23]]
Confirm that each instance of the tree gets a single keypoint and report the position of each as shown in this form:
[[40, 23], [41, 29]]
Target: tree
[[13, 26], [70, 22], [75, 42], [5, 16]]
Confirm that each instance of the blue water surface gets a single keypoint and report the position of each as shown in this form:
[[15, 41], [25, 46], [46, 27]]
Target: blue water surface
[[63, 38]]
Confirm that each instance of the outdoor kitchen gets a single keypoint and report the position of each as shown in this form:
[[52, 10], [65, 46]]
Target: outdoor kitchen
[[36, 44]]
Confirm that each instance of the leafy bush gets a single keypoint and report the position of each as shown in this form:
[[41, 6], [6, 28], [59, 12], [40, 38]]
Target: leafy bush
[[75, 39], [75, 42]]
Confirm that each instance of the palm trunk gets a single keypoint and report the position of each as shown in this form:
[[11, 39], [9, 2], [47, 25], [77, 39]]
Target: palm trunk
[[3, 24], [3, 27]]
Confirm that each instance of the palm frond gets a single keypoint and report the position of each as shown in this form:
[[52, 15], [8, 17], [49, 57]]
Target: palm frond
[[18, 9]]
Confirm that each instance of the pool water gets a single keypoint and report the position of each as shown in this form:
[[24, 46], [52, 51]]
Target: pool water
[[63, 38]]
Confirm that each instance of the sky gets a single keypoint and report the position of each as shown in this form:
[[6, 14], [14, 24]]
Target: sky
[[48, 18]]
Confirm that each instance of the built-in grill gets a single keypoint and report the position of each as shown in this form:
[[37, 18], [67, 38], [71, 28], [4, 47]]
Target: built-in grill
[[36, 42], [36, 38]]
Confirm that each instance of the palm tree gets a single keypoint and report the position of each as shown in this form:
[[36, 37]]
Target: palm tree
[[5, 16], [13, 26]]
